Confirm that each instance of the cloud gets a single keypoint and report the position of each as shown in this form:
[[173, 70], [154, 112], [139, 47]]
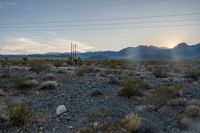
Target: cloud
[[22, 45], [8, 4]]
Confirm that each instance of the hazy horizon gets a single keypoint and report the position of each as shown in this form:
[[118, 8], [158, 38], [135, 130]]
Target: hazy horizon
[[29, 27]]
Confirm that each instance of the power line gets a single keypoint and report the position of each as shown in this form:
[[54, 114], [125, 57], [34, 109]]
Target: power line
[[110, 28], [108, 24], [94, 6], [107, 19]]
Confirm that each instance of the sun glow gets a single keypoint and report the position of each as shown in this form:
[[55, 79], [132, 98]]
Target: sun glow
[[172, 43]]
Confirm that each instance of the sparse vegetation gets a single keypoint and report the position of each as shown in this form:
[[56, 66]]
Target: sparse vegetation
[[38, 66], [193, 111], [185, 122], [132, 121], [131, 87], [25, 84], [85, 69], [177, 102], [193, 74], [48, 85], [18, 113], [163, 94], [159, 73]]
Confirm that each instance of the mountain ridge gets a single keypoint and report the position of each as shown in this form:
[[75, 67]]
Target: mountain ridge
[[180, 51]]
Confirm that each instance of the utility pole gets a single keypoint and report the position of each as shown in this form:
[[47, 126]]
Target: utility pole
[[73, 51]]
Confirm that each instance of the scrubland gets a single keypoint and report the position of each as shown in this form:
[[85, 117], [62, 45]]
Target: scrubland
[[100, 96]]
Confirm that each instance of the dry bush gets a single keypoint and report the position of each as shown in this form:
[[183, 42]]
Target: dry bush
[[38, 66], [131, 87], [159, 73], [50, 76], [30, 77], [48, 85], [177, 102], [18, 113], [21, 84], [193, 111], [193, 74], [162, 94], [185, 122], [132, 122], [195, 102], [58, 63], [85, 69]]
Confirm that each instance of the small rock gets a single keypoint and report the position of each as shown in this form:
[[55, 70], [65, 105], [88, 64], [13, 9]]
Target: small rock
[[70, 127], [60, 110], [96, 124]]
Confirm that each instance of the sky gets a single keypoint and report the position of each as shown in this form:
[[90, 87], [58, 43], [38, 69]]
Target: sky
[[41, 26]]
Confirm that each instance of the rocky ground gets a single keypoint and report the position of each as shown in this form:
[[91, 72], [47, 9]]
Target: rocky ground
[[92, 99]]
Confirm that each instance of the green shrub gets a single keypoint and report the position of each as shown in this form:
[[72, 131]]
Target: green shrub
[[38, 66], [193, 74], [131, 87], [18, 113], [25, 84], [159, 73], [162, 94], [85, 69]]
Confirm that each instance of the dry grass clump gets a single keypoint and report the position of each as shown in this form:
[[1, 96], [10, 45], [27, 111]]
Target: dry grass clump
[[21, 84], [177, 102], [132, 121], [162, 94], [185, 121], [159, 73], [195, 102], [193, 74], [50, 76], [18, 113], [30, 77], [85, 69], [193, 111], [131, 87], [48, 85], [38, 66]]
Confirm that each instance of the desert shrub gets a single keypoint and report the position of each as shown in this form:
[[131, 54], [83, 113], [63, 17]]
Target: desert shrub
[[25, 84], [58, 63], [193, 74], [38, 66], [159, 73], [162, 94], [131, 87], [18, 113], [193, 111], [87, 130], [29, 77], [177, 102], [50, 76], [185, 122], [96, 93], [85, 69], [132, 122], [195, 102], [48, 85]]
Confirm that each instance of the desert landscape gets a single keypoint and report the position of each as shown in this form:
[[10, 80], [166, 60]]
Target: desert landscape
[[99, 66], [99, 96]]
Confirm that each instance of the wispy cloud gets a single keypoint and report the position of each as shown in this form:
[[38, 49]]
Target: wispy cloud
[[23, 45], [8, 4]]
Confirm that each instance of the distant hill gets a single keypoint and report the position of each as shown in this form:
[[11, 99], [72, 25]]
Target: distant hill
[[180, 51]]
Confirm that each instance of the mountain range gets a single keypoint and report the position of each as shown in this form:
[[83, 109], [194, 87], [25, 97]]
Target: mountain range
[[180, 51]]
